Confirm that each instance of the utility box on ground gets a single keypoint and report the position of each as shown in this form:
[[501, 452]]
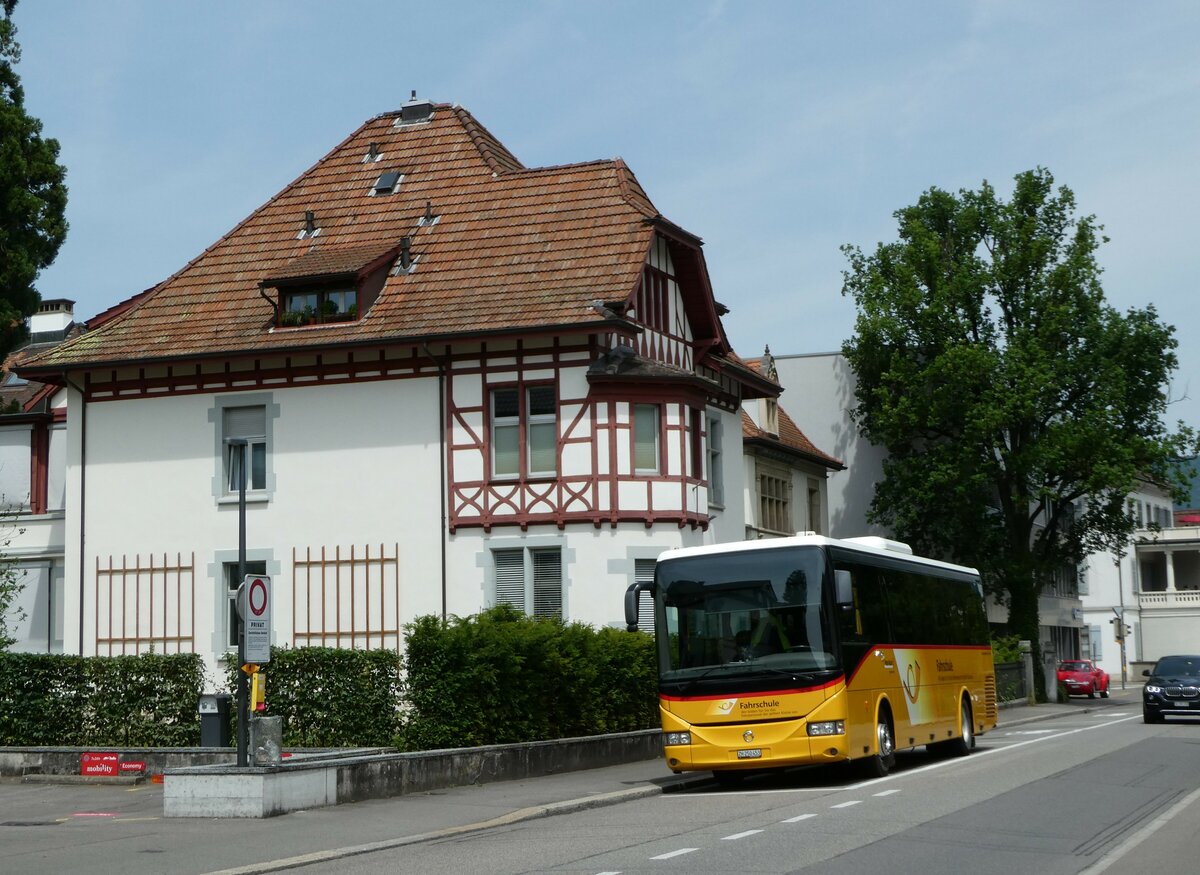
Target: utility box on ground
[[214, 719]]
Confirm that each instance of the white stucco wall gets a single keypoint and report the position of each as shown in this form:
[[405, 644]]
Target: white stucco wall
[[818, 395], [350, 465]]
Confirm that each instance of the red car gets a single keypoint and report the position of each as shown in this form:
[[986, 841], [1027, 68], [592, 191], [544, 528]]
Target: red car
[[1081, 677]]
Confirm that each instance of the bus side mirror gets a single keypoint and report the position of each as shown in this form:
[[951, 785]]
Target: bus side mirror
[[631, 603], [843, 587]]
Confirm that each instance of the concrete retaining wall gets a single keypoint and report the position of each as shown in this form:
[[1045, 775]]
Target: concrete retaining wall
[[205, 782]]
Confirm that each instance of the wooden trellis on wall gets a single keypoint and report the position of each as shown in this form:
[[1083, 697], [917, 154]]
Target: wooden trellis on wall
[[149, 605], [348, 598]]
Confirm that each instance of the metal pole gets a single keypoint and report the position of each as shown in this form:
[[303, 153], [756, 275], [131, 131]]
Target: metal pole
[[238, 445], [1121, 618]]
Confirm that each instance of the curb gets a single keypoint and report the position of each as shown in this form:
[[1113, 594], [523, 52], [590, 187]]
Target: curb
[[111, 780]]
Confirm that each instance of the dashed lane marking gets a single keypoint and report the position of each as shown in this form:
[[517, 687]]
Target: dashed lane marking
[[741, 835], [671, 854]]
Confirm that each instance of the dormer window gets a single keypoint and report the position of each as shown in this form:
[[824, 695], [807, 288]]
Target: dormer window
[[314, 307], [387, 183], [328, 285]]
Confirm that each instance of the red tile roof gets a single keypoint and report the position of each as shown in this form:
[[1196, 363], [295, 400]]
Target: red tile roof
[[790, 436], [512, 249]]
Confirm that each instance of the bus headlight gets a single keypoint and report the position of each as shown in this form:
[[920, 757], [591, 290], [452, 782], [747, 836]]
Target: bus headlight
[[827, 727], [672, 738]]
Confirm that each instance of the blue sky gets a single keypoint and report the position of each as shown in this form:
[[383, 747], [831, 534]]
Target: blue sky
[[776, 131]]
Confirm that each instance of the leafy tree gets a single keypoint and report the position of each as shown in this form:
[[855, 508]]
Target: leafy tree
[[1018, 409], [33, 196]]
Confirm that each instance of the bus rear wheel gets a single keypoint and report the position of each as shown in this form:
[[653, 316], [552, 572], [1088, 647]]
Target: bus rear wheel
[[965, 743]]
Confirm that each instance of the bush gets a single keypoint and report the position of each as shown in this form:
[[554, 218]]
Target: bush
[[500, 677], [100, 701], [332, 698], [1007, 649]]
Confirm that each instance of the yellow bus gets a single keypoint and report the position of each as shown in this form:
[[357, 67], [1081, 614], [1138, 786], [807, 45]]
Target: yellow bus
[[805, 650]]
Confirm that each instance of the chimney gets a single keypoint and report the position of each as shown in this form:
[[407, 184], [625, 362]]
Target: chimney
[[416, 111], [53, 319]]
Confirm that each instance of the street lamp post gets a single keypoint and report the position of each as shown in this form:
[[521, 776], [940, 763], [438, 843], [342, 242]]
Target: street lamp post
[[237, 448]]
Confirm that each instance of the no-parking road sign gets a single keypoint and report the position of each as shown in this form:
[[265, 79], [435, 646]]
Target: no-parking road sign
[[254, 606]]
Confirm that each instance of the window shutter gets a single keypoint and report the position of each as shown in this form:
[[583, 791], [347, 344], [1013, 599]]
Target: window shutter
[[245, 422], [547, 583], [510, 578], [643, 572]]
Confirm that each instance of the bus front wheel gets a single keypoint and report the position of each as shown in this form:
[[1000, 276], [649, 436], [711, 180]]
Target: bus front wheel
[[880, 763]]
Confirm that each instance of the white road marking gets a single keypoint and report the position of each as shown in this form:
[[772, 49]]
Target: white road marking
[[887, 792], [671, 854], [741, 835], [846, 804], [798, 818]]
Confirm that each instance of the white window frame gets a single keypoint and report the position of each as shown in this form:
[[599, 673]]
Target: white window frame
[[224, 484], [716, 484], [256, 450], [531, 430], [530, 579], [638, 434]]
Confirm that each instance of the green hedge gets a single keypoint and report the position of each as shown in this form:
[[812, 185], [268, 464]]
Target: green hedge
[[501, 677], [125, 701], [332, 698]]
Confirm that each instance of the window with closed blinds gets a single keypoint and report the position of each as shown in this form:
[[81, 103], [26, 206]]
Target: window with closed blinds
[[530, 580], [547, 583], [245, 422], [643, 572], [510, 578]]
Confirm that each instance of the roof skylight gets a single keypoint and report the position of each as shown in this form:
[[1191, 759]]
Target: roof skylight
[[388, 182]]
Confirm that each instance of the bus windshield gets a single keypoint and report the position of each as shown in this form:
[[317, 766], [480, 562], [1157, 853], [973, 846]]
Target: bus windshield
[[726, 614]]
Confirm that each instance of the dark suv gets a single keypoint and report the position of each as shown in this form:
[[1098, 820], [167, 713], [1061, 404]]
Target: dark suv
[[1172, 687]]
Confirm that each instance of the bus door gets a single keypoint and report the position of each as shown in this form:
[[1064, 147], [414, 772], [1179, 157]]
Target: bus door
[[865, 637]]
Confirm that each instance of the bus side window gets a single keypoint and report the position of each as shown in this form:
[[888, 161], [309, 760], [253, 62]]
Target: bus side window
[[866, 623]]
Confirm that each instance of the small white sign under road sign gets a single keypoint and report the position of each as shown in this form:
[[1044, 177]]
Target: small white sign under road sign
[[254, 606]]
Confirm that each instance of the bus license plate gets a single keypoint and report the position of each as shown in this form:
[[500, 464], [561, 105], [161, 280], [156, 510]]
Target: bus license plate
[[753, 753]]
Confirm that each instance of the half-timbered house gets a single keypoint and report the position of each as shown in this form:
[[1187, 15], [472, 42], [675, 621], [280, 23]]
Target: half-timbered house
[[450, 381]]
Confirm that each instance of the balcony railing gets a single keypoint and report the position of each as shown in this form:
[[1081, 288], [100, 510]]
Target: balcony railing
[[1179, 598]]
